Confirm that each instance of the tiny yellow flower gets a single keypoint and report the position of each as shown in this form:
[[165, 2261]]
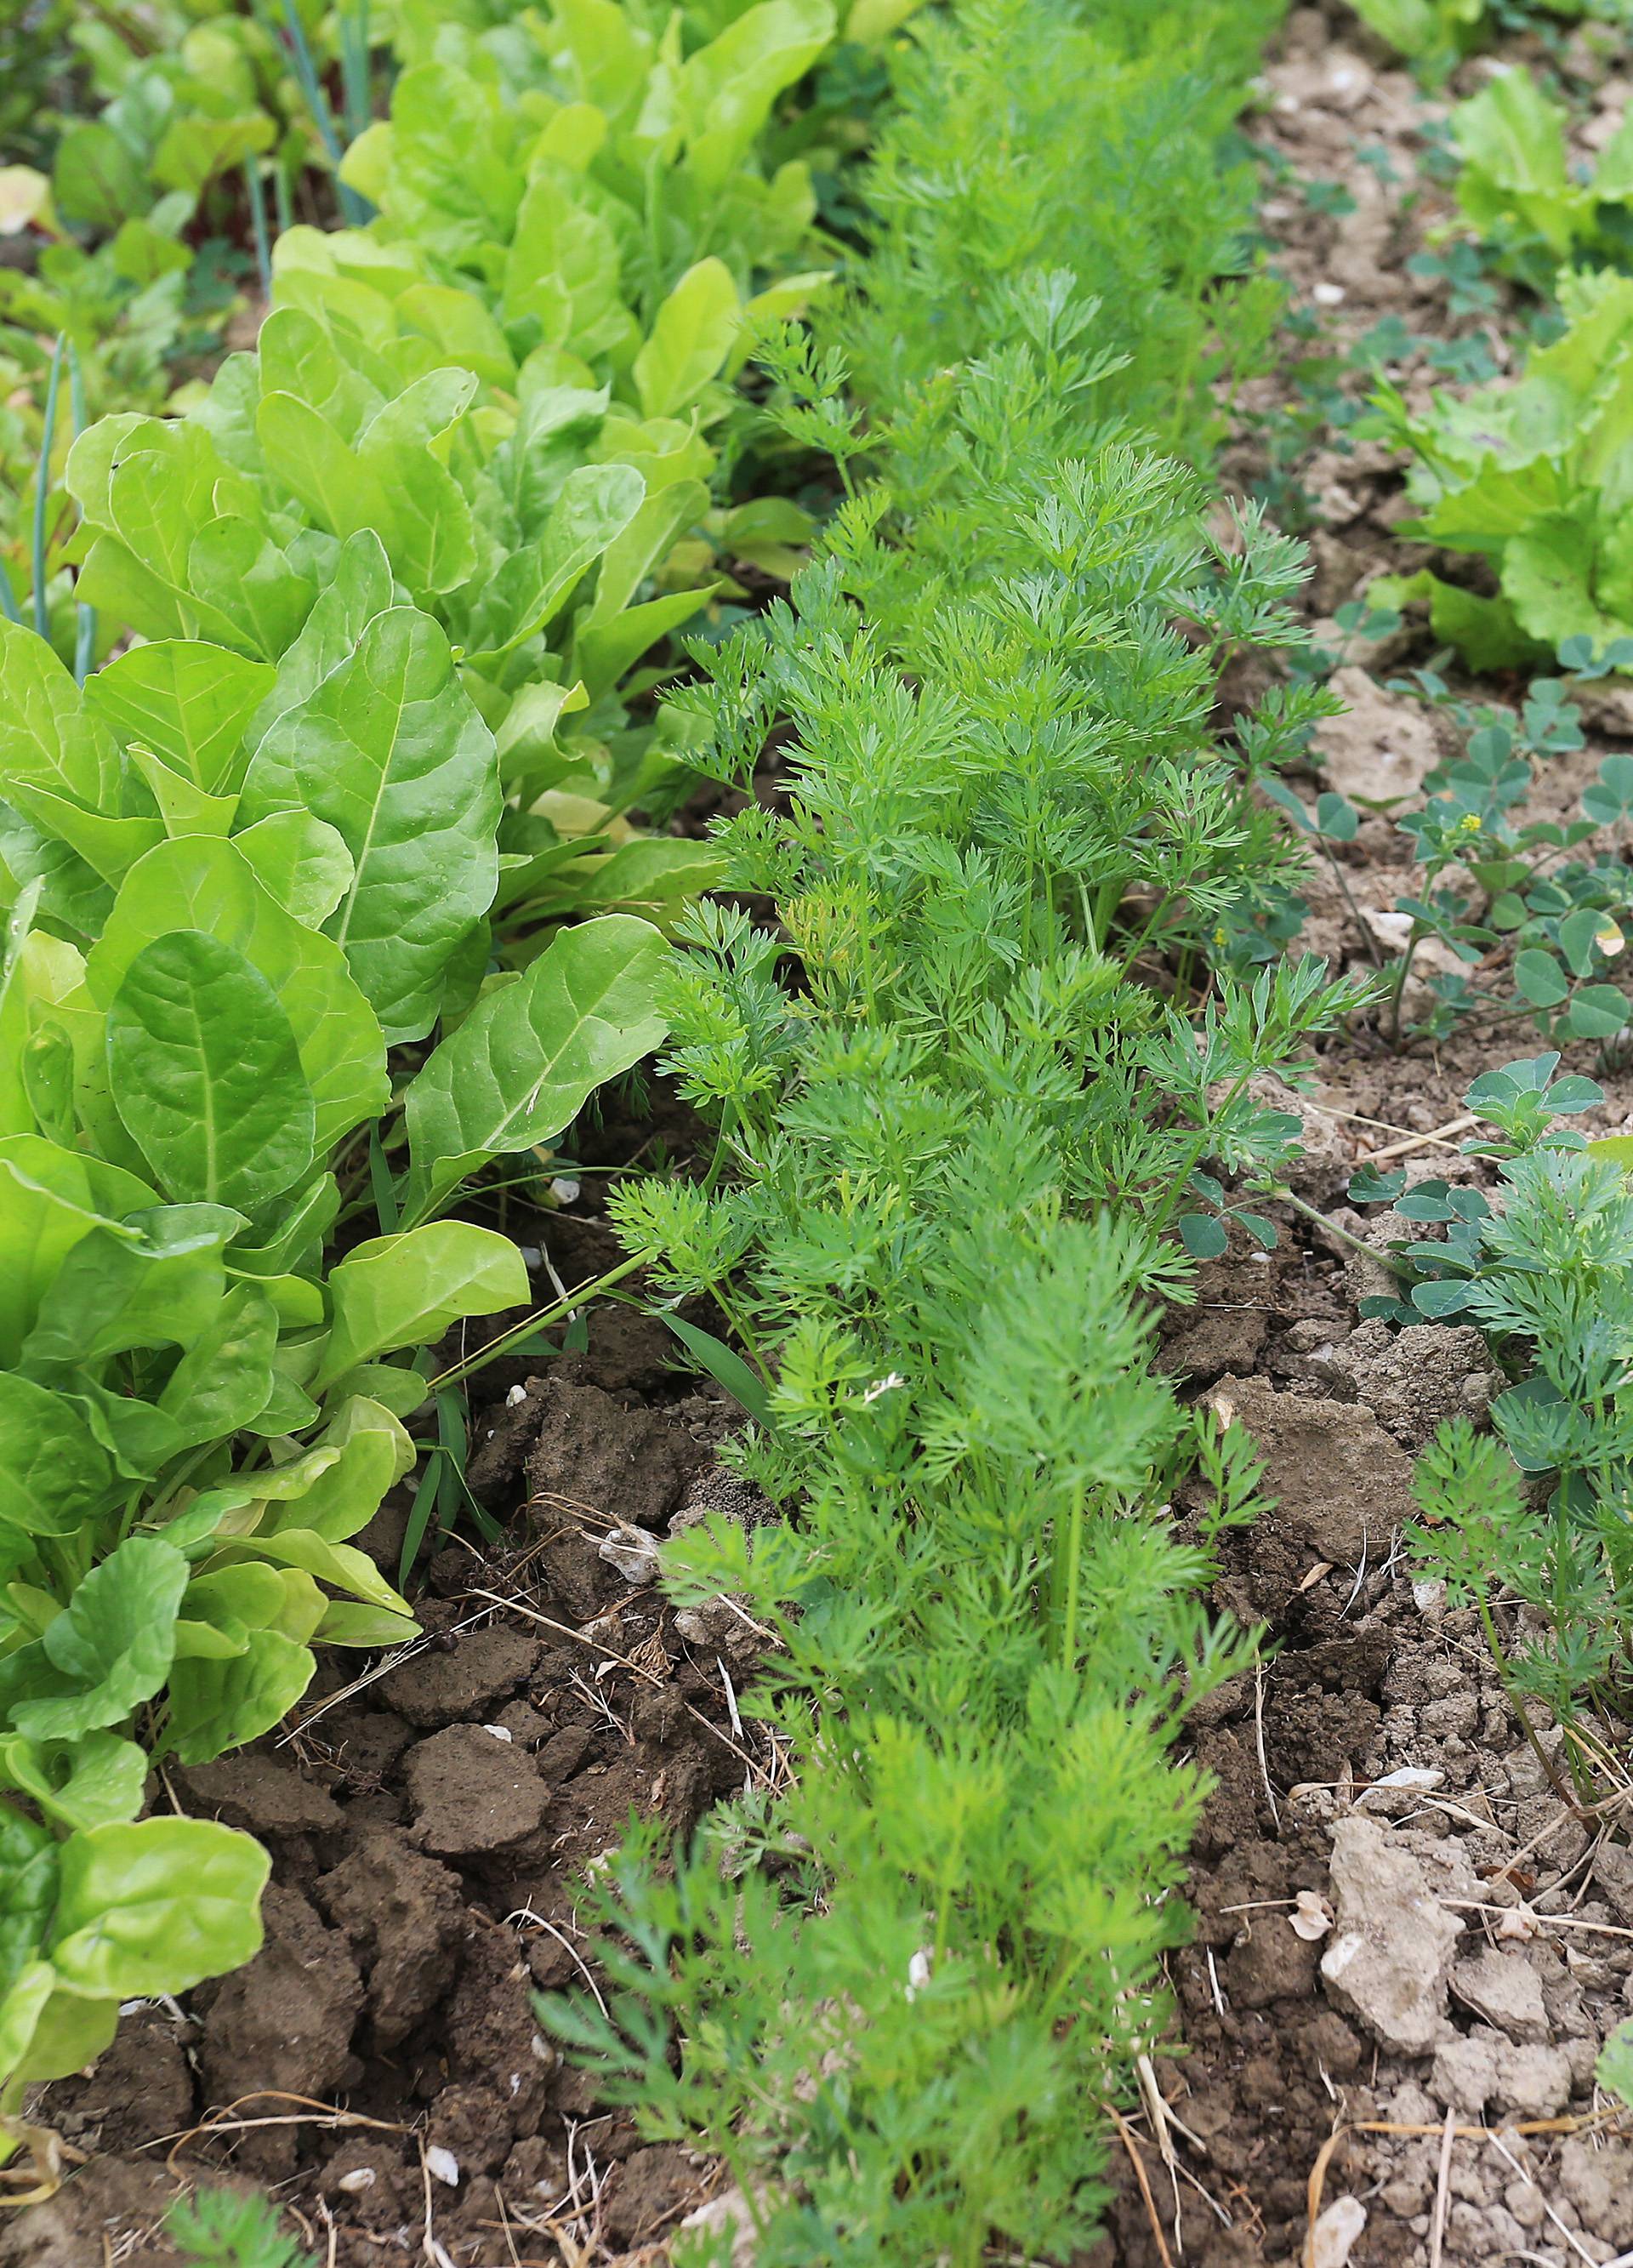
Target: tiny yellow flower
[[1220, 937], [1470, 822]]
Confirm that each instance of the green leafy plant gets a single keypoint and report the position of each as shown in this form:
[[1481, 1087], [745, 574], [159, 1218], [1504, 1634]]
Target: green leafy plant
[[1437, 33], [209, 951], [1533, 478], [939, 1220], [1516, 187], [222, 2229], [1529, 1524], [1536, 928]]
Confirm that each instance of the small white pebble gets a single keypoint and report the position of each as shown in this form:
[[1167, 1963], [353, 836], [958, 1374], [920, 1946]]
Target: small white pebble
[[444, 2165], [531, 1257], [499, 1732], [563, 1190], [517, 1394], [1329, 295], [353, 2183]]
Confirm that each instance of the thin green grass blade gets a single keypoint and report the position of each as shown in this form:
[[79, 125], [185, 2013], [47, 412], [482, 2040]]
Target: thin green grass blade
[[42, 490]]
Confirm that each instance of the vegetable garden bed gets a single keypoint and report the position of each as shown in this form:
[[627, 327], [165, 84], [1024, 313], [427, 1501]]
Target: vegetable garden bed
[[813, 1127]]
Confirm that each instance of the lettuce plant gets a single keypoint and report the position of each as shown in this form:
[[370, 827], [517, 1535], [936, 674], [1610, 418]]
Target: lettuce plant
[[1437, 34], [1535, 478], [1518, 188]]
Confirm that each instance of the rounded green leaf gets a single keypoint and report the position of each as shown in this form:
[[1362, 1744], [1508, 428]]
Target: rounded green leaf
[[210, 885], [1540, 978], [206, 1074], [156, 1906]]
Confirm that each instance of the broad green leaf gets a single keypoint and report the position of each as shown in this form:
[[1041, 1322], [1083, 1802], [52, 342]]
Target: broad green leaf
[[562, 270], [212, 886], [187, 701], [341, 1565], [53, 1474], [42, 974], [1512, 138], [28, 1864], [258, 591], [302, 862], [405, 1290], [49, 738], [161, 488], [98, 1778], [315, 461], [158, 1282], [206, 1074], [111, 1647], [655, 877], [195, 148], [596, 504], [389, 751], [300, 357], [96, 177], [693, 333], [156, 1907], [530, 1054], [183, 808], [225, 1375], [374, 1454], [602, 654], [69, 2032], [346, 1622], [663, 518], [218, 1704], [25, 1999], [728, 87], [1541, 979], [359, 589], [460, 327], [50, 1197]]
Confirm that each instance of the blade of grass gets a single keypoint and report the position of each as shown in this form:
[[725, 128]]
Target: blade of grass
[[725, 1366], [354, 66], [85, 617], [354, 211], [42, 490], [257, 223]]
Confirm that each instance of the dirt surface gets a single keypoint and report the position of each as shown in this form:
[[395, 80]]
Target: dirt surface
[[379, 2065], [1408, 1949], [1399, 1923]]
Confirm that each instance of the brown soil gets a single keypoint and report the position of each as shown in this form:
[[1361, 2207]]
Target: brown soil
[[1463, 1944], [379, 2065], [1399, 1923]]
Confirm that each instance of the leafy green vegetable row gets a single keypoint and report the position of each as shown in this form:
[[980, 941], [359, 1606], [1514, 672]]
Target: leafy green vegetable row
[[947, 1160], [325, 806]]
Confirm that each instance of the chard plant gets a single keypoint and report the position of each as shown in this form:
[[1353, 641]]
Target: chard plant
[[233, 885]]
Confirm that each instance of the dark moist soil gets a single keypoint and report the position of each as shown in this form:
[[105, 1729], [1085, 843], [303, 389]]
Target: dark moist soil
[[1399, 1923], [379, 2065]]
